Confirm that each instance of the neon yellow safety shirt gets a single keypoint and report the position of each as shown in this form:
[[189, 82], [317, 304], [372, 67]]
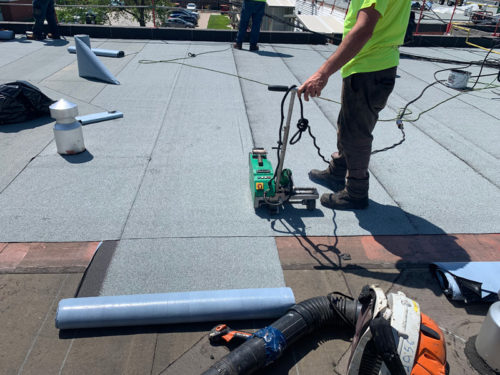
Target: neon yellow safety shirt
[[382, 50]]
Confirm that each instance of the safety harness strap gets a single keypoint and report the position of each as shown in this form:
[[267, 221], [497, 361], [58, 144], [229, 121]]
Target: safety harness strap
[[383, 337]]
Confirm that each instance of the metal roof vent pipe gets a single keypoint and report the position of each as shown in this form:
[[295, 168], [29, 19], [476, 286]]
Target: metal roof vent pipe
[[67, 130], [488, 339]]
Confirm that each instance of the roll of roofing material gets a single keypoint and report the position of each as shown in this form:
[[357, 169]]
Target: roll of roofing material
[[6, 34], [101, 52], [170, 308], [84, 38]]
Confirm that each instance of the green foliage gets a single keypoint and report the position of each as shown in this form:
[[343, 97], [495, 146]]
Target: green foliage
[[220, 22], [107, 11]]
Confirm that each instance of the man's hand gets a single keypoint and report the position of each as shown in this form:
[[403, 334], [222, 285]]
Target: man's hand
[[351, 44], [313, 86]]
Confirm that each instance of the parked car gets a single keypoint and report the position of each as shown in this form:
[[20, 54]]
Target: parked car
[[185, 17], [452, 2], [187, 12], [482, 17], [415, 5], [178, 22], [191, 6]]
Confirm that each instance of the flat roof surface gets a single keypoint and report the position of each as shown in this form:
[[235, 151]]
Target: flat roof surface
[[176, 166], [168, 183]]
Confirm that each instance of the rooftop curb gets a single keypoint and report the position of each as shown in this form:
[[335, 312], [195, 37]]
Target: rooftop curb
[[284, 37]]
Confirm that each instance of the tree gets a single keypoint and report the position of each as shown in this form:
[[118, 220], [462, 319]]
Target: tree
[[142, 10], [104, 11]]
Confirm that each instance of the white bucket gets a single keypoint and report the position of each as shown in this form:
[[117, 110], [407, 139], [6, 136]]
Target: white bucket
[[488, 339], [458, 79]]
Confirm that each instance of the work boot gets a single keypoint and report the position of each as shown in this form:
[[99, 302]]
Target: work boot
[[38, 36], [332, 177], [238, 45], [343, 201], [254, 47]]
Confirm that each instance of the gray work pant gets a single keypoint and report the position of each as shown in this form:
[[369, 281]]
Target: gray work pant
[[364, 95], [44, 9]]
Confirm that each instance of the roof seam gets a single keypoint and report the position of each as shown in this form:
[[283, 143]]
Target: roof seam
[[160, 130]]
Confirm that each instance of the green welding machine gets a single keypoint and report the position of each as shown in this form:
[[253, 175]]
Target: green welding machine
[[273, 188]]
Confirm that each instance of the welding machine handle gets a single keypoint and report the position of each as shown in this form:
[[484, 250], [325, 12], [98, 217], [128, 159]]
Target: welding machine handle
[[277, 88]]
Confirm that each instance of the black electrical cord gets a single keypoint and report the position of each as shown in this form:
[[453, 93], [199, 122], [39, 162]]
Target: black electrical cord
[[399, 120], [482, 65], [278, 149], [302, 125], [285, 22], [492, 63]]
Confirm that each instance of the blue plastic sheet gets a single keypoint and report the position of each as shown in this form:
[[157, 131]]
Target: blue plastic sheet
[[101, 52], [468, 281]]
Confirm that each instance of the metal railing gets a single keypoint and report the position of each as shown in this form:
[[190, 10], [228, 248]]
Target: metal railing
[[114, 13]]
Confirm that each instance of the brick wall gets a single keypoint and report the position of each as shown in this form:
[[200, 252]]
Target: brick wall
[[14, 11]]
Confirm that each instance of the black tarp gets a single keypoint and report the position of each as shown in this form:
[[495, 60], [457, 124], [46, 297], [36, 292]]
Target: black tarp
[[21, 101]]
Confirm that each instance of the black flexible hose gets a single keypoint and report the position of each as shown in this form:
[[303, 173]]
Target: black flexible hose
[[267, 345]]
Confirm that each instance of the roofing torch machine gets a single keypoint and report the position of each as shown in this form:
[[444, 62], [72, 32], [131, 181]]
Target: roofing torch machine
[[392, 336], [274, 188]]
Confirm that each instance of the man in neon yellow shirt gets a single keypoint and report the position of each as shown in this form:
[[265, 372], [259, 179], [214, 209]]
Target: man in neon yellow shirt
[[368, 57]]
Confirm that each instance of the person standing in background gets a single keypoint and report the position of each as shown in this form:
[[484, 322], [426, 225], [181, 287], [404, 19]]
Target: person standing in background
[[44, 10], [251, 9]]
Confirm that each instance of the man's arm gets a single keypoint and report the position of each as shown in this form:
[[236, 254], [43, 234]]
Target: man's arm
[[349, 47]]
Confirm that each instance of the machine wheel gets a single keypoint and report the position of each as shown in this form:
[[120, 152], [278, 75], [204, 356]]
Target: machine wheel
[[274, 210], [311, 204]]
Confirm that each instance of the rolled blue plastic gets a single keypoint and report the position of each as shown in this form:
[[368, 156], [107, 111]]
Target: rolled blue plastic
[[171, 308], [6, 34], [100, 52], [98, 117]]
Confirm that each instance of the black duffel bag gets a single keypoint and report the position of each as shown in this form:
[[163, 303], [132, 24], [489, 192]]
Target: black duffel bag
[[21, 101]]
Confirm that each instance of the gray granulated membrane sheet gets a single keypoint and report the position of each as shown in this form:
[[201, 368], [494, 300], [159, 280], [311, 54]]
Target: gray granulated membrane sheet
[[435, 176], [170, 179], [56, 200], [189, 264]]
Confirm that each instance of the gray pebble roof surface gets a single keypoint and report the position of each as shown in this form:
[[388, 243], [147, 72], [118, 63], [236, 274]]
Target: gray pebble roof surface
[[170, 178]]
